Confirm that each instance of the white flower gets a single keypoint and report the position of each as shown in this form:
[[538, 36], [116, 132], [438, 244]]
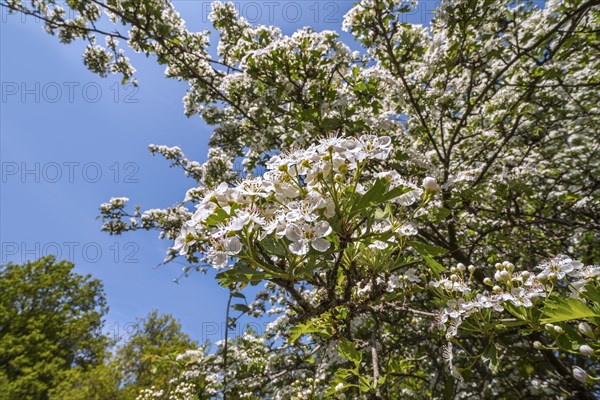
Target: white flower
[[302, 235], [560, 266], [408, 230], [223, 248], [203, 211], [430, 184], [409, 198], [378, 147], [520, 298], [255, 187], [241, 219], [412, 276], [221, 194], [580, 375], [181, 242], [303, 210], [586, 350], [585, 329]]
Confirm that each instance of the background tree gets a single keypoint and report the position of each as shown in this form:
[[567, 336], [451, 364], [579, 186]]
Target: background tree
[[101, 382], [155, 338], [50, 322]]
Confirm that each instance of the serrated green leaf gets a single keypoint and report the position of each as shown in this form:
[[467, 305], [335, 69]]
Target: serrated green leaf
[[566, 310], [435, 266], [425, 249], [372, 196], [348, 350], [241, 307]]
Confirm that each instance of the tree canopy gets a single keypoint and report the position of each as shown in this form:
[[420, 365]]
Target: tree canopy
[[424, 201], [50, 322], [52, 345]]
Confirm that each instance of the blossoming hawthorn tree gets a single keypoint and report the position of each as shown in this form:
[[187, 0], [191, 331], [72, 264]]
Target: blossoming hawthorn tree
[[368, 271]]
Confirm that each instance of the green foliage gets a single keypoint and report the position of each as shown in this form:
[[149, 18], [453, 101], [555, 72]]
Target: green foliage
[[568, 309], [155, 337], [50, 320], [101, 382]]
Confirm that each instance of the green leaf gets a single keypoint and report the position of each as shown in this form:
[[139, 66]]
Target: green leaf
[[490, 356], [571, 340], [395, 192], [348, 350], [273, 246], [241, 307], [217, 217], [319, 328], [592, 292], [364, 384], [427, 249], [435, 266], [372, 196], [566, 310], [443, 213]]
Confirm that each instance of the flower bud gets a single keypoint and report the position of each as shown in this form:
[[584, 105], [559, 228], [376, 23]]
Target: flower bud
[[549, 327], [586, 350], [585, 329], [430, 185], [472, 269], [487, 281], [580, 375], [558, 329], [538, 345], [496, 289]]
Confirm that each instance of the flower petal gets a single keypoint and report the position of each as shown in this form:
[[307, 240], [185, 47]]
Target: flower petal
[[322, 229], [320, 244], [300, 247]]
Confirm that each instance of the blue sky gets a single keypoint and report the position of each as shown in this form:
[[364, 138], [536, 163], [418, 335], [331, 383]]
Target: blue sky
[[70, 140]]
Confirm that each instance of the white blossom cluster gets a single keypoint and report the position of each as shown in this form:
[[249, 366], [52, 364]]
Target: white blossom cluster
[[511, 289], [519, 288], [295, 200]]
